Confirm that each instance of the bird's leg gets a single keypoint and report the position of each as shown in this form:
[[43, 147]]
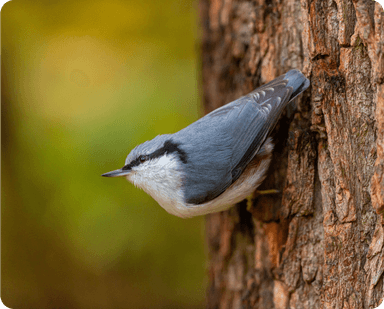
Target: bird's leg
[[266, 192], [255, 194], [250, 202]]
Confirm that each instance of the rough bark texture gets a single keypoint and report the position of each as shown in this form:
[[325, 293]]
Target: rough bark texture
[[318, 244]]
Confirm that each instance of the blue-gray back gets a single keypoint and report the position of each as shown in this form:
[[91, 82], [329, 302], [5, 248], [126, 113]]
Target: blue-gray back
[[221, 144]]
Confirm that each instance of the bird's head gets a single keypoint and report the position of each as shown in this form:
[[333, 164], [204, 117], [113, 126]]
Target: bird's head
[[153, 165]]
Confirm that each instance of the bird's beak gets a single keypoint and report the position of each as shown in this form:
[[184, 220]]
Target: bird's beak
[[117, 173]]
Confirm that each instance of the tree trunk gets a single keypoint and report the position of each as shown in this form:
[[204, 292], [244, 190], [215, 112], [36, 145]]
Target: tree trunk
[[319, 243]]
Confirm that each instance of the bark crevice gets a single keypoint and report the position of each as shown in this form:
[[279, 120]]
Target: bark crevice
[[318, 244]]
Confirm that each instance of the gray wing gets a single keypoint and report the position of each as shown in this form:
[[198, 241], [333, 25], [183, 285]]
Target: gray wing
[[221, 144]]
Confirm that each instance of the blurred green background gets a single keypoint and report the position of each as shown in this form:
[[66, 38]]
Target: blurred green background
[[83, 82]]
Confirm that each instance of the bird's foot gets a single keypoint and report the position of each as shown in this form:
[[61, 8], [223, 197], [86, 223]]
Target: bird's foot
[[266, 192], [255, 194]]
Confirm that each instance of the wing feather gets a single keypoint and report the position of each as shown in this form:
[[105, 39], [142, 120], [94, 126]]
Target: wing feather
[[229, 137]]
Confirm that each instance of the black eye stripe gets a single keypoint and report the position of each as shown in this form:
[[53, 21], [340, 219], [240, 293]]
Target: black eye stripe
[[169, 147], [126, 167]]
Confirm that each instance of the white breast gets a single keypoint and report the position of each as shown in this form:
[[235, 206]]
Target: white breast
[[162, 179]]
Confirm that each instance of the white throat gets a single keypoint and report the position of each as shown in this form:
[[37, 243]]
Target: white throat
[[162, 179]]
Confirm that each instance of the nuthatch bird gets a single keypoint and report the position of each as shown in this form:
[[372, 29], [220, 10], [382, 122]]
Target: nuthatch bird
[[218, 160]]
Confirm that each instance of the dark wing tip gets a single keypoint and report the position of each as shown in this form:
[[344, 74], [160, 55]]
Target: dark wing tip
[[297, 81]]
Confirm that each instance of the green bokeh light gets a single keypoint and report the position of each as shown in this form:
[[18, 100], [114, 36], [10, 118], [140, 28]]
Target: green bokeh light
[[83, 82]]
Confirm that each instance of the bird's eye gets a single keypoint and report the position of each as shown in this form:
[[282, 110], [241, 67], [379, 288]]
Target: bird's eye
[[143, 159]]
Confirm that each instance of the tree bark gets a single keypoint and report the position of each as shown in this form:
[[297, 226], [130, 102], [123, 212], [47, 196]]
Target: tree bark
[[319, 243]]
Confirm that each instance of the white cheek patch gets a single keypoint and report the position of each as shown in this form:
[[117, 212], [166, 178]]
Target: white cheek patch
[[161, 178], [164, 161], [153, 171]]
